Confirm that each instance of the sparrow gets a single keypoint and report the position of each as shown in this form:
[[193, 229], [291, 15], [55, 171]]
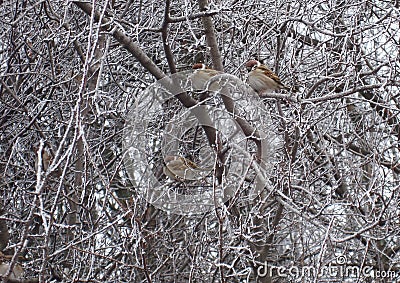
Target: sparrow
[[180, 169], [201, 75], [262, 79]]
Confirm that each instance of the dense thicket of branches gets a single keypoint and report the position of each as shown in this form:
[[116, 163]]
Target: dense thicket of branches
[[69, 75]]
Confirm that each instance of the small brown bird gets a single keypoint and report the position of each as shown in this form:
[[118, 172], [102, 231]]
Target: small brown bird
[[180, 169], [201, 75], [262, 79]]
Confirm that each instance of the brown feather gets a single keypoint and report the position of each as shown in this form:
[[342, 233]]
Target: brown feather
[[198, 66], [270, 74], [261, 78]]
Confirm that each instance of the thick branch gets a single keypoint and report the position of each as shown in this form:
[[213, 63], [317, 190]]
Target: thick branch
[[123, 39], [164, 35], [211, 38]]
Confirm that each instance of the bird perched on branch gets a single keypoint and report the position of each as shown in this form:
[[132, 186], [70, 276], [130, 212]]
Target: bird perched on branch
[[201, 75], [262, 79], [180, 169]]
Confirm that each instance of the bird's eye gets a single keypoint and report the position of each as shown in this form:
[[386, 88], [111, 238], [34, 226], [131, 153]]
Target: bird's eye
[[251, 68]]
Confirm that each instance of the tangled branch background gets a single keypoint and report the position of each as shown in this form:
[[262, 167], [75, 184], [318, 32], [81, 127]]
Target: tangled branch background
[[70, 74]]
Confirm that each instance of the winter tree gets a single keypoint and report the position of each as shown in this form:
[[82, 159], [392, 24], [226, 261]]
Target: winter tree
[[301, 186]]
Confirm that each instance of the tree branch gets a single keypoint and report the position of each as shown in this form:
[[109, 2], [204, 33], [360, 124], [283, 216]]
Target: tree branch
[[211, 38], [193, 16], [123, 39], [164, 35]]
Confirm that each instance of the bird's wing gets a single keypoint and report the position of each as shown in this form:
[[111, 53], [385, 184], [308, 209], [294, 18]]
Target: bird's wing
[[189, 163], [270, 74]]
